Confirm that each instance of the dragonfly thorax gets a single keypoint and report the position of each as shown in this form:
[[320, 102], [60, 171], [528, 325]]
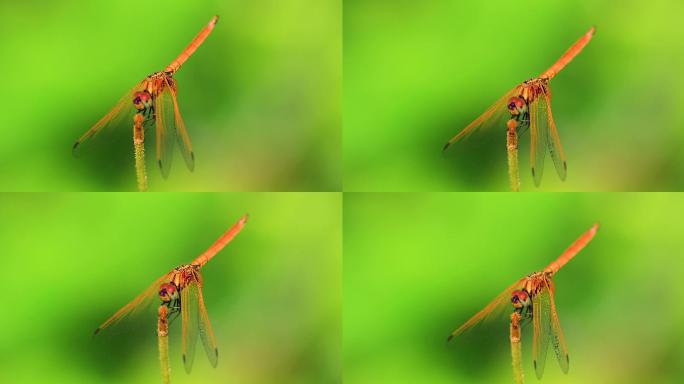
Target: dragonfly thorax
[[185, 274]]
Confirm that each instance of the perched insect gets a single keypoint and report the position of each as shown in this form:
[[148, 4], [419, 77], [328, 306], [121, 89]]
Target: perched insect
[[180, 292], [529, 106], [532, 298], [154, 102]]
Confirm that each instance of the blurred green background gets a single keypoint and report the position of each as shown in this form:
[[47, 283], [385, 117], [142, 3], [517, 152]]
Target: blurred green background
[[260, 98], [417, 72], [416, 266], [273, 294]]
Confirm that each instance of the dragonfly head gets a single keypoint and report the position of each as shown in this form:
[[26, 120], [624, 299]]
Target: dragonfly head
[[142, 100], [517, 106], [168, 292], [520, 300]]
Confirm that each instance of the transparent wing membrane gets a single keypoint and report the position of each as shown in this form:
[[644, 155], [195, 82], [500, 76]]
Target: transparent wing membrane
[[541, 319], [206, 332], [137, 304], [538, 137], [494, 307], [166, 129], [557, 337], [120, 115], [554, 144], [491, 115], [182, 133], [190, 327]]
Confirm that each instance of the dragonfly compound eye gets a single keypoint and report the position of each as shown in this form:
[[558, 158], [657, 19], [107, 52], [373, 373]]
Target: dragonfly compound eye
[[519, 299], [142, 100], [168, 292]]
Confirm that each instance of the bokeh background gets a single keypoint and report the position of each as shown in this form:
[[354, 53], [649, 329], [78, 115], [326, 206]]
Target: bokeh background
[[416, 266], [273, 294], [261, 97], [417, 72]]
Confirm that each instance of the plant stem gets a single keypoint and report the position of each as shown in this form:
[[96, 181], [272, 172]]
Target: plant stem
[[139, 146], [516, 348], [163, 335], [512, 149]]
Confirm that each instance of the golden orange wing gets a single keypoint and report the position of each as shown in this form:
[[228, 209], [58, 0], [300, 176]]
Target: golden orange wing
[[189, 326], [206, 332], [182, 136], [557, 337], [121, 114], [489, 116], [538, 137], [500, 302], [553, 138], [140, 302], [541, 309]]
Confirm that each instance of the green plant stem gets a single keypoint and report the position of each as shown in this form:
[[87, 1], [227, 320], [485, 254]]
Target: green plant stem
[[163, 336], [512, 149], [139, 148], [516, 352]]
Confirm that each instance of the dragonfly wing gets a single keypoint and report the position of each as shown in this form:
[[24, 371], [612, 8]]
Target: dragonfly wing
[[166, 128], [557, 337], [554, 143], [541, 309], [181, 132], [189, 305], [494, 307], [137, 304], [206, 332], [121, 114], [491, 115], [538, 137]]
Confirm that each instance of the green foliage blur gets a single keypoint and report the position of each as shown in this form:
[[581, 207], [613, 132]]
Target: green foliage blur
[[70, 261], [417, 266], [260, 98], [417, 72]]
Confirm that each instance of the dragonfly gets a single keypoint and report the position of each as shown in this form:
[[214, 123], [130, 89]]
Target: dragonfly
[[154, 102], [533, 300], [529, 106], [180, 292]]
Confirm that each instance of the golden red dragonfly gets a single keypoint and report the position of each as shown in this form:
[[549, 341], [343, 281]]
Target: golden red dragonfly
[[154, 102], [180, 292], [533, 299], [529, 106]]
